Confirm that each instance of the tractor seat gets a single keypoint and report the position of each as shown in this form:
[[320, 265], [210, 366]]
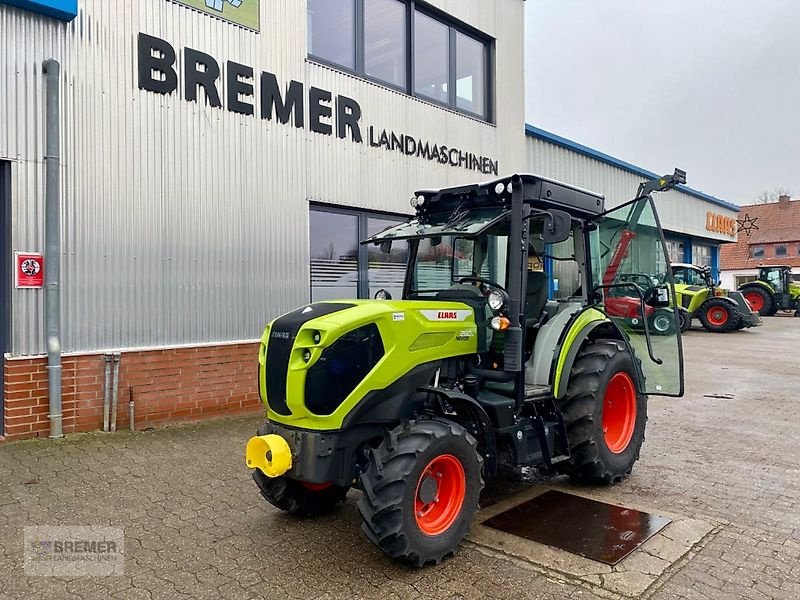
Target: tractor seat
[[535, 297]]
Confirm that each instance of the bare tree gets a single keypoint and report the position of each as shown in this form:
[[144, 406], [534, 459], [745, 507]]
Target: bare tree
[[767, 197]]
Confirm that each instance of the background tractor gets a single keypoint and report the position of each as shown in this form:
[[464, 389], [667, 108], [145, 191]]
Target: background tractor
[[774, 290], [719, 310], [416, 401]]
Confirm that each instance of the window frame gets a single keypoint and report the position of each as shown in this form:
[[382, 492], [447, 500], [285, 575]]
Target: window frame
[[755, 249], [454, 26], [785, 250], [362, 227]]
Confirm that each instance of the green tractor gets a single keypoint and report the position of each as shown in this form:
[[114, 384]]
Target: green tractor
[[417, 401], [774, 290], [698, 296]]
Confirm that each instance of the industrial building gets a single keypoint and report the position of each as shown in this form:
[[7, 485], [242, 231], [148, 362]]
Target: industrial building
[[218, 163]]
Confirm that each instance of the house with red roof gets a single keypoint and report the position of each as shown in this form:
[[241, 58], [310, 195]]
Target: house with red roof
[[768, 235]]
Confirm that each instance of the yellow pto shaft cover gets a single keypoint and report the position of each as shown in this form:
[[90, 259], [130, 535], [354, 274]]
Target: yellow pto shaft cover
[[269, 453]]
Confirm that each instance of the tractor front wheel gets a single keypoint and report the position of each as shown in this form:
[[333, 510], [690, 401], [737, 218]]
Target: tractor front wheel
[[718, 316], [685, 320], [298, 498], [759, 299], [604, 414], [662, 322], [421, 490]]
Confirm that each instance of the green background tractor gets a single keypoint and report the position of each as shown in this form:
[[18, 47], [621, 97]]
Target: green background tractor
[[774, 290], [718, 310], [417, 401]]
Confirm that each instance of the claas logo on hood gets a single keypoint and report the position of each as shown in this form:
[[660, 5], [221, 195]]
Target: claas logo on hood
[[220, 4]]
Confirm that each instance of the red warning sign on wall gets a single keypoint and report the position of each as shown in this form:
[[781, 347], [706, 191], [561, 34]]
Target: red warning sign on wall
[[29, 270]]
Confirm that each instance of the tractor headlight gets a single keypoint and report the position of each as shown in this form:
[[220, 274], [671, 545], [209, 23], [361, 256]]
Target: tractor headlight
[[417, 201], [496, 300], [382, 295], [499, 188]]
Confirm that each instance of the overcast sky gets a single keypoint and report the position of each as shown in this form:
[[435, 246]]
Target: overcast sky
[[711, 86]]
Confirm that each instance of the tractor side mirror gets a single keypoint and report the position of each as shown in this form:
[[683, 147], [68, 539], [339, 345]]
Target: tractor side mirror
[[657, 296], [557, 226], [386, 246]]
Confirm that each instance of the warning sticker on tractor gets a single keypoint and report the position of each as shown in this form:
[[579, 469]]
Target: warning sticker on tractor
[[446, 315], [398, 316]]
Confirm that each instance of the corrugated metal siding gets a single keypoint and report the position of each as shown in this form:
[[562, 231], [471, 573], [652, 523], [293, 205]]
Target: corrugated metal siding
[[678, 212], [187, 224]]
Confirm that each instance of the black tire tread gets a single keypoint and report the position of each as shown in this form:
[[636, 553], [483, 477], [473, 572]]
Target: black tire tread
[[294, 498], [384, 486], [733, 316], [578, 409], [770, 306]]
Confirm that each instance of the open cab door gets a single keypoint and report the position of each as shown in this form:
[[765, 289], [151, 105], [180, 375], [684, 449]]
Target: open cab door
[[632, 283]]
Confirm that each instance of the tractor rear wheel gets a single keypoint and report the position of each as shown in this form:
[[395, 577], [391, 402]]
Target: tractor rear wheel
[[421, 490], [759, 299], [604, 414], [719, 316], [298, 498]]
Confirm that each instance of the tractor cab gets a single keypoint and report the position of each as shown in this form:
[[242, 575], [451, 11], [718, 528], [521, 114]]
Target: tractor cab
[[486, 246], [779, 278]]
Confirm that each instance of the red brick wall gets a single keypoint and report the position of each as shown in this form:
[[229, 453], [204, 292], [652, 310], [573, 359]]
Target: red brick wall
[[168, 386]]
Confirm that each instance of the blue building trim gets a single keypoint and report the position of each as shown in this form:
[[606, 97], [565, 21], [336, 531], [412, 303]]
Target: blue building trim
[[620, 164], [63, 10], [687, 250], [715, 263]]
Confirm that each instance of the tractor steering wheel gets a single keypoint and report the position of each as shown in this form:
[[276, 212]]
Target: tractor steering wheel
[[484, 282]]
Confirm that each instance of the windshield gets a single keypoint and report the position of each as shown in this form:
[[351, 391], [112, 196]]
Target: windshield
[[464, 222], [685, 275], [442, 261]]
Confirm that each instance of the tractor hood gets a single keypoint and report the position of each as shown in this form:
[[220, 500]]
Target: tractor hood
[[318, 361]]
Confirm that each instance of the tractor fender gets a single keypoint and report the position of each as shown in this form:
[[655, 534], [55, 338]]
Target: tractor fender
[[468, 408], [573, 339], [724, 298], [763, 284]]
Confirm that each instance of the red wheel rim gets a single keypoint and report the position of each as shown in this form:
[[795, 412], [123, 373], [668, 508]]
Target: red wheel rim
[[755, 300], [619, 412], [717, 315], [440, 494]]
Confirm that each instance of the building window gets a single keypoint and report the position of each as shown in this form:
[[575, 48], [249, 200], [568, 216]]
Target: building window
[[431, 58], [676, 251], [470, 74], [385, 41], [742, 279], [341, 268], [781, 251], [332, 31], [401, 44], [701, 255], [756, 251]]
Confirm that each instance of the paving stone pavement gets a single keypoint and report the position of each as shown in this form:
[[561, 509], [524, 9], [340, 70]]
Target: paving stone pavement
[[195, 526]]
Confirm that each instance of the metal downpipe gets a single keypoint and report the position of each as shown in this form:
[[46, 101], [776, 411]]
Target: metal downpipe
[[52, 234]]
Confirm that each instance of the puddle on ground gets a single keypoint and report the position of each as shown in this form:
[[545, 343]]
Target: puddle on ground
[[596, 530]]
